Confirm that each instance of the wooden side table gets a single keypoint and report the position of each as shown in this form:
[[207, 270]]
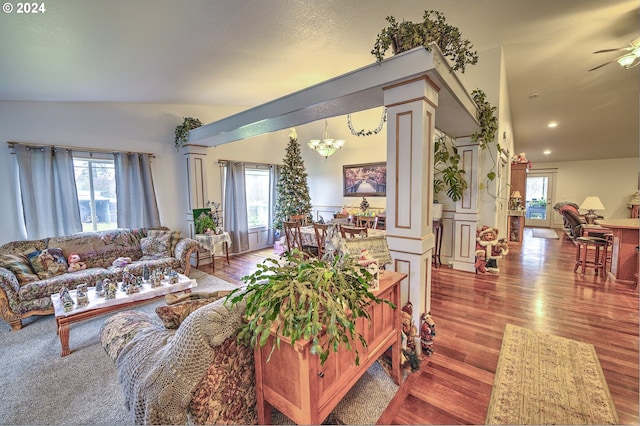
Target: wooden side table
[[210, 242], [437, 230]]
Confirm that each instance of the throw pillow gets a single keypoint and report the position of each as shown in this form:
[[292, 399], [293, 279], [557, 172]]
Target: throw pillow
[[48, 263], [173, 239], [20, 266], [155, 247], [173, 315]]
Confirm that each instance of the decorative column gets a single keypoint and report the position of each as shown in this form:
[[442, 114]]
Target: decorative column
[[411, 108], [197, 191], [466, 216]]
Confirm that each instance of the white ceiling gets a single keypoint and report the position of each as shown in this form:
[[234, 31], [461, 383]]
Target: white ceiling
[[247, 52]]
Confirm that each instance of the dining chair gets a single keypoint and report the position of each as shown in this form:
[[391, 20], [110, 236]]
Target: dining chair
[[321, 237], [293, 235], [352, 231], [370, 222]]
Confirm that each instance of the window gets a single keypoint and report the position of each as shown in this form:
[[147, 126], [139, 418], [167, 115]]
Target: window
[[96, 185], [257, 187]]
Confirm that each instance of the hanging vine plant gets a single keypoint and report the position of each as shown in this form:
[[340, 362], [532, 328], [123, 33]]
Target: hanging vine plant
[[450, 177], [182, 131], [486, 134]]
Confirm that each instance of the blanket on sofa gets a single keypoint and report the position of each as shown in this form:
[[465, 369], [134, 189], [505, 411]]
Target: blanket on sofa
[[158, 370]]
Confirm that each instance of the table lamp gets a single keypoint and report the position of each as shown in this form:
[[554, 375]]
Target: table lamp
[[591, 204]]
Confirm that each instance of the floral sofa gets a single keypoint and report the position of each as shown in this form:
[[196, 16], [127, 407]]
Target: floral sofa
[[31, 271], [186, 369]]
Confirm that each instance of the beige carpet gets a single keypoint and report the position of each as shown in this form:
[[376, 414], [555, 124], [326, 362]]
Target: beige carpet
[[547, 379], [544, 233]]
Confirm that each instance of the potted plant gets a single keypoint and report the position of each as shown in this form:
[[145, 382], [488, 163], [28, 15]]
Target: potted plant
[[203, 223], [182, 131], [405, 35], [302, 298]]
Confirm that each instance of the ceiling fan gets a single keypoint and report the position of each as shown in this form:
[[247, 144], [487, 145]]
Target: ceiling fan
[[628, 60]]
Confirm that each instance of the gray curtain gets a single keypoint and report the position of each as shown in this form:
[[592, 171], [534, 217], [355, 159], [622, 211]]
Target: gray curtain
[[235, 208], [136, 197], [48, 191], [274, 176]]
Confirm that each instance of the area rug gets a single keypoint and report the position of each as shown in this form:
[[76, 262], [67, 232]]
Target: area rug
[[547, 379], [544, 233]]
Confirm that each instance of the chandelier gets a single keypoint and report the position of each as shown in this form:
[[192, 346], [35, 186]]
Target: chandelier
[[326, 147]]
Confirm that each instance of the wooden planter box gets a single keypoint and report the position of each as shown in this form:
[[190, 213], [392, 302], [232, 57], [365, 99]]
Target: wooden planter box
[[293, 380]]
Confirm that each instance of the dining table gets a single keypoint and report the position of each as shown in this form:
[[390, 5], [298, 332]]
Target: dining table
[[309, 235]]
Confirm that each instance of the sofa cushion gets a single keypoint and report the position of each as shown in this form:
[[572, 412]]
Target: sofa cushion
[[174, 237], [173, 315], [156, 247], [48, 263], [20, 266]]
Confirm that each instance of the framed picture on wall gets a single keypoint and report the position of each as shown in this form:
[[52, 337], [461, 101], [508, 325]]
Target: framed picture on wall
[[365, 180]]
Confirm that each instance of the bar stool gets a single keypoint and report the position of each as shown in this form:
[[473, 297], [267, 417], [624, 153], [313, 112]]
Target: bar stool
[[599, 261]]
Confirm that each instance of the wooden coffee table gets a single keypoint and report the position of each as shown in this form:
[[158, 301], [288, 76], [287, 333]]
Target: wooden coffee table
[[99, 305]]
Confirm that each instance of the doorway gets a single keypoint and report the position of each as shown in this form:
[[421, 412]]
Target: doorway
[[539, 193]]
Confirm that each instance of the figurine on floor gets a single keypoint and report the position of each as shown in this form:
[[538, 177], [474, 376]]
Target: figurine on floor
[[489, 249], [409, 330], [427, 333]]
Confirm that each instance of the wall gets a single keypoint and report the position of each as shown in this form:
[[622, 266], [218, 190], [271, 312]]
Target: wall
[[614, 181], [129, 127], [489, 75]]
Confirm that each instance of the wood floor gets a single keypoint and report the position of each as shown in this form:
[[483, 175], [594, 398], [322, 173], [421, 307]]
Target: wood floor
[[536, 288]]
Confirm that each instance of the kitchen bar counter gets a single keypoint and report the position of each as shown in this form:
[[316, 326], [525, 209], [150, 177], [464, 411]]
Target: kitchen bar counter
[[626, 237]]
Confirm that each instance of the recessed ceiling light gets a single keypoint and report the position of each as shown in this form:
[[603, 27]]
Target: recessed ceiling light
[[552, 124], [546, 152]]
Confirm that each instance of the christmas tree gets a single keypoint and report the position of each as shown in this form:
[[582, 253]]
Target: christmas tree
[[292, 187]]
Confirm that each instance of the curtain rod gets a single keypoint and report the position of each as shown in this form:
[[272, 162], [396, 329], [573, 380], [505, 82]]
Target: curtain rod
[[75, 148], [220, 161]]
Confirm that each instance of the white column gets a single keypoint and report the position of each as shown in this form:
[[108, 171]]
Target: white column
[[196, 170], [466, 216], [411, 108]]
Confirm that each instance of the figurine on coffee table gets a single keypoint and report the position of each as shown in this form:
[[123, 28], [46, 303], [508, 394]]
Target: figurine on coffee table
[[82, 295]]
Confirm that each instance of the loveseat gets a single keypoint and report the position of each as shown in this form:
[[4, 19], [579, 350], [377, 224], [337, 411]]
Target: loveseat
[[187, 368], [31, 271]]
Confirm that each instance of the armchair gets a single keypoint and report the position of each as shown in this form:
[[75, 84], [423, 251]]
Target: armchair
[[573, 220]]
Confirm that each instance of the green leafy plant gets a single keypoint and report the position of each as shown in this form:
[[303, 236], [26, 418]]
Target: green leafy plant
[[204, 222], [405, 35], [449, 176], [301, 298], [182, 130]]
